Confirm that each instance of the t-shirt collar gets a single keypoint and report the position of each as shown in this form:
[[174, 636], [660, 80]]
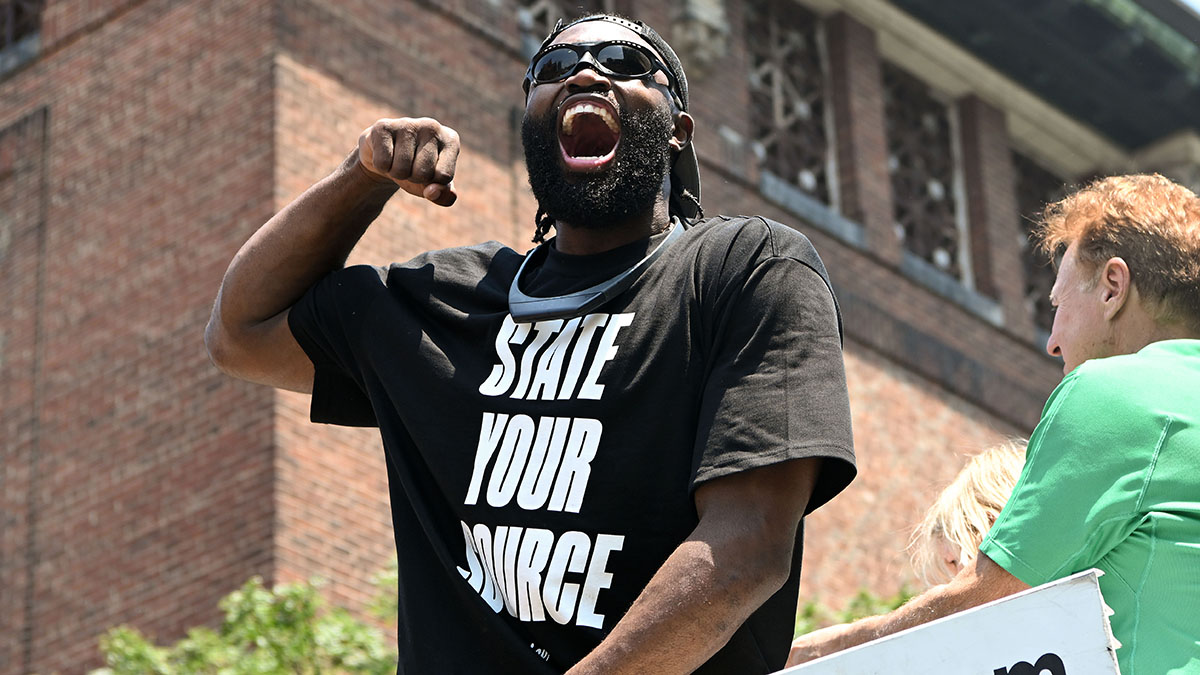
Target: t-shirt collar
[[605, 264]]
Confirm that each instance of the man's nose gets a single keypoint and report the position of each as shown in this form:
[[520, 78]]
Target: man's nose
[[1052, 347], [587, 76]]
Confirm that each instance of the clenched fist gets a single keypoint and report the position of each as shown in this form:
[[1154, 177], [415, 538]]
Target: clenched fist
[[417, 153]]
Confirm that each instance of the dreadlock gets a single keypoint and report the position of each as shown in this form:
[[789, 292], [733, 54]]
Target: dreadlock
[[543, 222], [685, 193]]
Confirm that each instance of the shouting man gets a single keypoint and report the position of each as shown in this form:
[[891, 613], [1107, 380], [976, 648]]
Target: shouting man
[[599, 453], [1110, 478]]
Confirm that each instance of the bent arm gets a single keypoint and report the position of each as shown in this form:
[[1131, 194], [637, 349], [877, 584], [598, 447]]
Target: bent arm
[[980, 582], [247, 335], [738, 556]]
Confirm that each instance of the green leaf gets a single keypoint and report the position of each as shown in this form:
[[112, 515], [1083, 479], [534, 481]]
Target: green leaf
[[279, 631], [813, 615]]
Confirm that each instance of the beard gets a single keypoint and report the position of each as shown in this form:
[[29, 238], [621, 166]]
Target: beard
[[624, 189]]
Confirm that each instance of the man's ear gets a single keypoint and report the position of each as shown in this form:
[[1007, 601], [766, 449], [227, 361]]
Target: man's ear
[[1116, 286], [682, 134]]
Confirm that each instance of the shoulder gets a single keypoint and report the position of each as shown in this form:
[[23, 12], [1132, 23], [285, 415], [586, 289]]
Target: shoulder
[[479, 254], [1116, 377], [356, 279], [460, 257], [745, 242], [1114, 395], [1085, 387], [769, 237], [461, 262], [735, 253], [356, 287]]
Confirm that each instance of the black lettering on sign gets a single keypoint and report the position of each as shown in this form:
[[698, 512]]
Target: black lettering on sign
[[1046, 663]]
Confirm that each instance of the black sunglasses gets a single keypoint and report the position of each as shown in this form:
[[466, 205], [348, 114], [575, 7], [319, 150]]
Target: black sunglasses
[[615, 58]]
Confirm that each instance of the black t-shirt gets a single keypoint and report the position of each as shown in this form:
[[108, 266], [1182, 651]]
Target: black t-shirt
[[541, 473]]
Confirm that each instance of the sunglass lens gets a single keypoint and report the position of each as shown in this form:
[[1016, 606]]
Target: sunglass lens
[[623, 60], [554, 65]]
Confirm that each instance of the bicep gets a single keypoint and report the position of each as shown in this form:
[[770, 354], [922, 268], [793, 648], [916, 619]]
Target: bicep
[[757, 510], [266, 353], [775, 490], [990, 581]]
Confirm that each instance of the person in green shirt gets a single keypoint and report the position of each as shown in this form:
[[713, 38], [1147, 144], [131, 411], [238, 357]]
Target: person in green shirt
[[1112, 473]]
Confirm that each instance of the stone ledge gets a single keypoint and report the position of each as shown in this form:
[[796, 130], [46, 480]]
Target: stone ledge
[[812, 211], [950, 288]]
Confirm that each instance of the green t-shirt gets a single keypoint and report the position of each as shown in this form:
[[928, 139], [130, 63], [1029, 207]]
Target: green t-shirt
[[1112, 481]]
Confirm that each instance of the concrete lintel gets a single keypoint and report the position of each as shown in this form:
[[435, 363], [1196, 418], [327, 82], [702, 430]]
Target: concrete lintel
[[1176, 156]]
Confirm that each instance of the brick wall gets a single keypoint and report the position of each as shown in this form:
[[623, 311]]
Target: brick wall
[[152, 137], [22, 239], [140, 479], [993, 211], [911, 438], [857, 93]]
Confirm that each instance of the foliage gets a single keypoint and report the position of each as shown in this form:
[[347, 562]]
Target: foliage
[[265, 631], [386, 604], [284, 630], [813, 614]]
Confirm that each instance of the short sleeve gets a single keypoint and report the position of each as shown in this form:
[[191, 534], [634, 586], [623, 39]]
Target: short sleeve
[[776, 388], [326, 322], [1080, 489]]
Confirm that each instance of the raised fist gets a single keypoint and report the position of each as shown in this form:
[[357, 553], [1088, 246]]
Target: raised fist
[[417, 153]]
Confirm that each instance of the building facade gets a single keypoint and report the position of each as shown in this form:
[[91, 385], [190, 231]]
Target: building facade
[[142, 141]]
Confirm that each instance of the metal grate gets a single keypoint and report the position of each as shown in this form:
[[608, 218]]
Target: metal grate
[[788, 96], [923, 169], [536, 18], [1036, 187]]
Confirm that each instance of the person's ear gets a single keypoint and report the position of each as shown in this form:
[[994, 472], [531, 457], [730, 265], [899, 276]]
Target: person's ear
[[1116, 286], [682, 134]]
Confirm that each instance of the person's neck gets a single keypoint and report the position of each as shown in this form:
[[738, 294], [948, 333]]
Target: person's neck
[[1141, 328], [576, 240], [1175, 331]]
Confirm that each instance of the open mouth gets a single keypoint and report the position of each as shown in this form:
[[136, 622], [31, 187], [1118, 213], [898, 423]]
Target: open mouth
[[588, 134]]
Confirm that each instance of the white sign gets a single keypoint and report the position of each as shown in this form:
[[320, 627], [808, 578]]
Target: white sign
[[1060, 628]]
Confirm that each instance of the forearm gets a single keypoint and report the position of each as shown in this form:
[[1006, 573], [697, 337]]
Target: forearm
[[688, 611], [935, 603], [981, 582], [306, 240]]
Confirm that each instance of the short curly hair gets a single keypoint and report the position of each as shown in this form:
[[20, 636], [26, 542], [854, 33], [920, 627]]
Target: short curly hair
[[1150, 222]]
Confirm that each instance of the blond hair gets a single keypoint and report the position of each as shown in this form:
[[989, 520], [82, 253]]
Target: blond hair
[[966, 509], [1150, 222]]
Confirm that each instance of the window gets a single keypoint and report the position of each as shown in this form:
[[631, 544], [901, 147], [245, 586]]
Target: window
[[789, 117], [924, 173], [536, 18], [21, 158], [20, 28], [1036, 187]]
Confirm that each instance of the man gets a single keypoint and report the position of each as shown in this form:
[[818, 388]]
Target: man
[[1110, 479], [599, 455]]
